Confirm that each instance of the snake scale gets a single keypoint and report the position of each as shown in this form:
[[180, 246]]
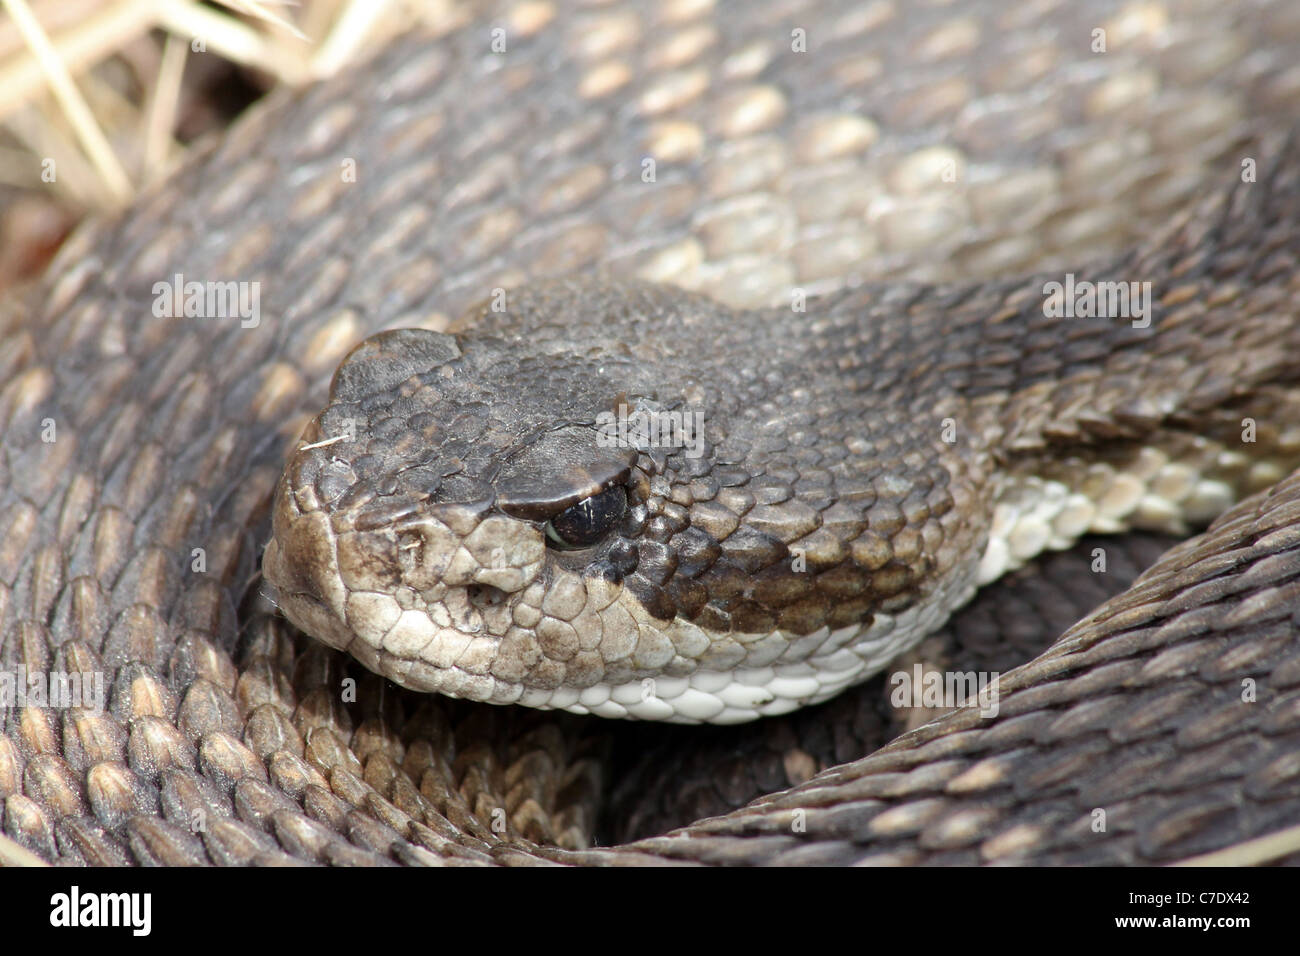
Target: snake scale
[[638, 192]]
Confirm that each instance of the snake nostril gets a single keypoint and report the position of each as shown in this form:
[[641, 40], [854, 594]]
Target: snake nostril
[[485, 595]]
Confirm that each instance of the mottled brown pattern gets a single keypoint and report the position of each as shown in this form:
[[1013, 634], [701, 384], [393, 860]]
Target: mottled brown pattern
[[225, 738]]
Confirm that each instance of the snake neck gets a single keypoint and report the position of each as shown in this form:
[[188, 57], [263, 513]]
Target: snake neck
[[1146, 393]]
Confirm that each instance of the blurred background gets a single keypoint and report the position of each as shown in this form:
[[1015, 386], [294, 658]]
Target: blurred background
[[99, 99]]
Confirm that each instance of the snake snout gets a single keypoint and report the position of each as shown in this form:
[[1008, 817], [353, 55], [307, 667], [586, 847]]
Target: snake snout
[[301, 565]]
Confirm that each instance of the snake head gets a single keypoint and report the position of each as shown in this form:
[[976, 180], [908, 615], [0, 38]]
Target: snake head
[[510, 515]]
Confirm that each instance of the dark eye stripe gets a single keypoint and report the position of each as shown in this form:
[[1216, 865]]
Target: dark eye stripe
[[589, 521]]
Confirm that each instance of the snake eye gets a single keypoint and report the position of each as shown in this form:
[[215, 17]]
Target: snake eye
[[588, 521]]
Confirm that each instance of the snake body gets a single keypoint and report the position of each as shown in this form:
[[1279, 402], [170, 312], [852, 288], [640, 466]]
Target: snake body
[[899, 173]]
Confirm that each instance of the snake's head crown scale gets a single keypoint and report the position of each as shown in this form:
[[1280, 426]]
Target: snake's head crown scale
[[478, 514]]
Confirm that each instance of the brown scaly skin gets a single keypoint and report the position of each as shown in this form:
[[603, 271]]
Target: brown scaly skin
[[478, 172]]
